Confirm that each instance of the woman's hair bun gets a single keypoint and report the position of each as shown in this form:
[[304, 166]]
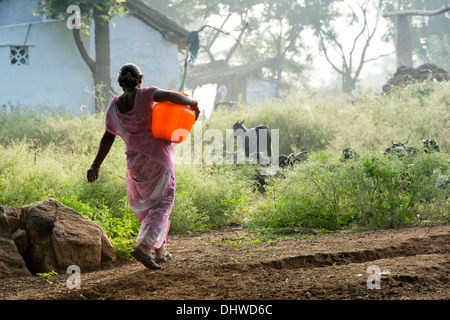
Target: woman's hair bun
[[129, 75]]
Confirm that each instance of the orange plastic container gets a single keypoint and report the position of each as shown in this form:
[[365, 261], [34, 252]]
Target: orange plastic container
[[172, 122]]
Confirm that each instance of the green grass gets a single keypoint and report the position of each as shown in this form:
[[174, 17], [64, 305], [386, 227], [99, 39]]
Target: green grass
[[46, 153], [373, 192]]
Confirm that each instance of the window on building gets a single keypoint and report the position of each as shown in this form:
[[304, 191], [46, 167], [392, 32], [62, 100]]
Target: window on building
[[18, 55]]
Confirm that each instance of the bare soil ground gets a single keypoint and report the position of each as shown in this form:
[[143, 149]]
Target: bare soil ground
[[234, 265]]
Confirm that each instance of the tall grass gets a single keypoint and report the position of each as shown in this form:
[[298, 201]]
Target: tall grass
[[46, 153], [309, 122]]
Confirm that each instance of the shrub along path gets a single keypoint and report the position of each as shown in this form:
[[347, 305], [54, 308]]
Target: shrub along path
[[237, 265]]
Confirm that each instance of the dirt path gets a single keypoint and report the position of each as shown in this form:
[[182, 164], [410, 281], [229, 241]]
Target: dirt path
[[234, 265]]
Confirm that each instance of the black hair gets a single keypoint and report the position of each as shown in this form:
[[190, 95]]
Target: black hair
[[129, 75]]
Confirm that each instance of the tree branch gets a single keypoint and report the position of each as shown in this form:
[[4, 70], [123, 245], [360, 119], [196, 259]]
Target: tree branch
[[233, 49], [418, 12], [363, 29], [380, 56], [219, 30], [90, 63], [360, 34], [368, 40], [213, 36], [325, 51]]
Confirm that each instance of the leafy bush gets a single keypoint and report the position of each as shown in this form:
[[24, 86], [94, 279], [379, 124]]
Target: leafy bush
[[209, 197], [374, 192]]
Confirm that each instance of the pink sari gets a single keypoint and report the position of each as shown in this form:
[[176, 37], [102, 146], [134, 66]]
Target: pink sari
[[150, 173]]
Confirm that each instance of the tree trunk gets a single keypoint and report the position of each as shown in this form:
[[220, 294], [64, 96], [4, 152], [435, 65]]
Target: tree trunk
[[347, 82], [87, 59], [102, 75], [403, 43]]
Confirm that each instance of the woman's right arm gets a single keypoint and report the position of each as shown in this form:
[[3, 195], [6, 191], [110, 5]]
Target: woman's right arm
[[177, 98], [105, 145], [172, 96]]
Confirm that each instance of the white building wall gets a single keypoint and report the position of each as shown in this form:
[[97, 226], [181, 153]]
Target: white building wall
[[56, 74], [18, 11], [133, 41]]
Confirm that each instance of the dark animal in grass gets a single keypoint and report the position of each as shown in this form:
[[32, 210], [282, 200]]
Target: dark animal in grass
[[286, 161], [252, 139], [400, 149], [430, 146]]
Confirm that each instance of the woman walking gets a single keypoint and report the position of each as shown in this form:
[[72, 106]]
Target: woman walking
[[150, 178]]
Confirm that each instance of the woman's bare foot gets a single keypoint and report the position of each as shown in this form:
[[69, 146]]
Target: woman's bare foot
[[161, 254]]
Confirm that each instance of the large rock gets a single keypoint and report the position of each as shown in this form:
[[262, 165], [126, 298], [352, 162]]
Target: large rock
[[11, 262], [53, 236]]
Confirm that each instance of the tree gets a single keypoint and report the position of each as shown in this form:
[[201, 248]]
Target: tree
[[227, 21], [264, 33], [224, 20], [276, 28], [349, 63], [422, 34], [100, 12], [268, 34]]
